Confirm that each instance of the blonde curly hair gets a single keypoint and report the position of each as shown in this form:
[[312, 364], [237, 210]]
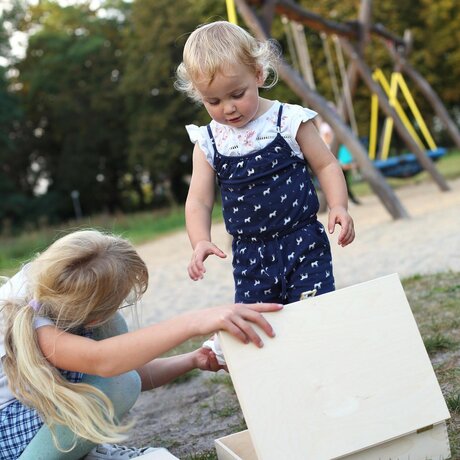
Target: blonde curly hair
[[214, 46]]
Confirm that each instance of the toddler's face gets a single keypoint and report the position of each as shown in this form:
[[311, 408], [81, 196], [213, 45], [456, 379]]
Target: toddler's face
[[232, 98]]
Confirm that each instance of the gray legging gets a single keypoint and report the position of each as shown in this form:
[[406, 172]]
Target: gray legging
[[123, 390]]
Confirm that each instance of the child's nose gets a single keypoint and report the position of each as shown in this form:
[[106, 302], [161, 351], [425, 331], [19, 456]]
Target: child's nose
[[229, 107]]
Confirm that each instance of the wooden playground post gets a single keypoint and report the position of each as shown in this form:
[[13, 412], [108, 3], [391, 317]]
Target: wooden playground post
[[318, 103], [352, 71]]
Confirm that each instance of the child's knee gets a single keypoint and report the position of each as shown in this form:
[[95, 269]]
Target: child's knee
[[126, 392], [123, 390]]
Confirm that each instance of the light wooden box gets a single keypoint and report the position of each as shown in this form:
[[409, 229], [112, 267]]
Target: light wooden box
[[347, 377]]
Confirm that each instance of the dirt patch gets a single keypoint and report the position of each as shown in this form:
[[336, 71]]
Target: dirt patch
[[187, 417]]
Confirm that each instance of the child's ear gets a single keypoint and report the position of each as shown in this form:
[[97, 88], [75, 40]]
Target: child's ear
[[260, 76]]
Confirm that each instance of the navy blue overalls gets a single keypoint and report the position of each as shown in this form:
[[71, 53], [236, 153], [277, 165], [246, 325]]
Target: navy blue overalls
[[269, 203]]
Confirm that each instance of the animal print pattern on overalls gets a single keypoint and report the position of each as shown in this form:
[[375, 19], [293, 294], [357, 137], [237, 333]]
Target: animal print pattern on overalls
[[269, 204]]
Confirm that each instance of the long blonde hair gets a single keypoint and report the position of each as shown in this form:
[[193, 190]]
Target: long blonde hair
[[82, 278], [211, 47]]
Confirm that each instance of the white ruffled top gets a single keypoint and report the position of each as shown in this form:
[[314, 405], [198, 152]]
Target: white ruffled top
[[253, 136]]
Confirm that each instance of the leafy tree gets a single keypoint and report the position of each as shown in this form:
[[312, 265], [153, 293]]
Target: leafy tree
[[15, 177], [157, 112], [70, 78]]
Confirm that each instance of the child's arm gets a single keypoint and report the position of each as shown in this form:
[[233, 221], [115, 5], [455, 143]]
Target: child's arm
[[330, 175], [122, 353], [163, 370], [198, 209]]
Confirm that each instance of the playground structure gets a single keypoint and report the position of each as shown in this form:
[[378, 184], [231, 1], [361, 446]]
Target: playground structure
[[405, 165], [352, 37]]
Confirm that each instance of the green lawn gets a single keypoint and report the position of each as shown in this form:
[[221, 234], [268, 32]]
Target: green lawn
[[137, 227]]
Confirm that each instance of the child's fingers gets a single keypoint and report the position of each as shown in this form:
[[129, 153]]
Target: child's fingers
[[237, 318], [191, 271], [253, 314], [261, 321], [263, 307], [196, 267], [199, 266], [194, 272], [236, 331], [350, 235], [221, 254], [331, 223], [218, 252], [342, 237], [248, 331], [212, 363], [347, 235]]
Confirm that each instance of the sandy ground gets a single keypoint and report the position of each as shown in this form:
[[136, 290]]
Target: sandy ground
[[187, 417], [428, 242]]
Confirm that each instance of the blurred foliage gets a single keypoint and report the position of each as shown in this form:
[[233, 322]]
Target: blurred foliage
[[91, 106], [68, 82], [157, 113]]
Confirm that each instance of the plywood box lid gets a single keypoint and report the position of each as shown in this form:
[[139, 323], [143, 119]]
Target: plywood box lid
[[347, 371]]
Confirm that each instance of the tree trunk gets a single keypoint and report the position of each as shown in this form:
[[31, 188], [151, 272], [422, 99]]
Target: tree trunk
[[365, 16], [318, 103], [366, 75]]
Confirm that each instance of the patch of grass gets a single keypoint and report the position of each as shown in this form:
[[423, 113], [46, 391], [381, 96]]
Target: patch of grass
[[167, 443], [221, 379], [435, 301], [184, 378], [437, 343], [137, 227], [207, 455], [453, 402], [227, 411]]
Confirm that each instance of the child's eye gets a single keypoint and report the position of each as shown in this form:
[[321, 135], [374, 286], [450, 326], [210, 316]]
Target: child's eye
[[213, 102], [238, 95]]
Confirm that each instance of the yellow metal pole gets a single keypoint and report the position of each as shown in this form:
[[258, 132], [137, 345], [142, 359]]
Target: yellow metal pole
[[389, 121], [380, 77], [231, 11], [373, 126], [415, 111]]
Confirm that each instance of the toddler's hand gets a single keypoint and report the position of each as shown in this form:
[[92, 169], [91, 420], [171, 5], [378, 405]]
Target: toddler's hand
[[203, 249], [339, 215]]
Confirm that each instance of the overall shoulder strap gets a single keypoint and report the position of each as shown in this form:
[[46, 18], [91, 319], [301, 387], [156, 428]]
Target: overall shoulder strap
[[212, 138], [278, 123]]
